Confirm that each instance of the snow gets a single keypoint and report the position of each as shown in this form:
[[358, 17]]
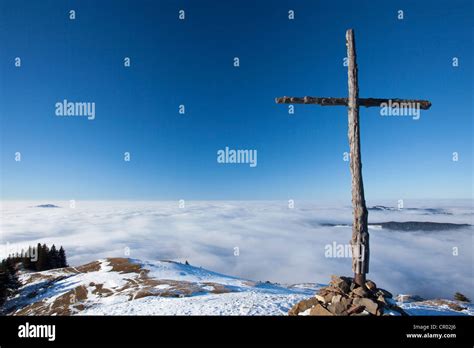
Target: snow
[[182, 272], [375, 227], [237, 303], [425, 309], [246, 297], [166, 286]]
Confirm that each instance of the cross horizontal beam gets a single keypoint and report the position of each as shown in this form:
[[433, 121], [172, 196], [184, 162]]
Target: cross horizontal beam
[[367, 102]]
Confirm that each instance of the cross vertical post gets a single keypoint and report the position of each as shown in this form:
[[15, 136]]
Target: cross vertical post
[[360, 234]]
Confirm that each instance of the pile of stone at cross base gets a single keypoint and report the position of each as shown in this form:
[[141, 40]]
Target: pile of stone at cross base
[[344, 297]]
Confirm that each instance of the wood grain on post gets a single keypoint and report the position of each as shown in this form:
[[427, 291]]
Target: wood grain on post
[[360, 234], [367, 102]]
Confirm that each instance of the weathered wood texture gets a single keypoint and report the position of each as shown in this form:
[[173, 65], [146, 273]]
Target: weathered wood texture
[[367, 102], [360, 234]]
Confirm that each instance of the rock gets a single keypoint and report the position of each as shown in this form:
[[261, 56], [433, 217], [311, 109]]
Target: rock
[[335, 290], [344, 286], [382, 299], [370, 285], [370, 306], [343, 297], [302, 306], [346, 302], [397, 309], [320, 298], [360, 291], [409, 298], [355, 309], [336, 299], [456, 307], [336, 278], [450, 304], [319, 310], [328, 297], [384, 293], [341, 283], [323, 291], [337, 308]]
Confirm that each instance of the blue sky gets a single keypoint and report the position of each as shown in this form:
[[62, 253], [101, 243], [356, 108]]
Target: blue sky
[[190, 62]]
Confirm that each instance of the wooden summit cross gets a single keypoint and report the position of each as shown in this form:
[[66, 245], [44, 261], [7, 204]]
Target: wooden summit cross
[[360, 234]]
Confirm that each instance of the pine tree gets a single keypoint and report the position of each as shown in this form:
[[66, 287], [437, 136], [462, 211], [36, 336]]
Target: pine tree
[[53, 258], [13, 282], [460, 297], [42, 263], [8, 279], [62, 257], [3, 286], [45, 259], [27, 259]]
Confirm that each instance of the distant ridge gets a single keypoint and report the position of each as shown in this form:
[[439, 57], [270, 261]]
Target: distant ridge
[[46, 206], [426, 211], [427, 226]]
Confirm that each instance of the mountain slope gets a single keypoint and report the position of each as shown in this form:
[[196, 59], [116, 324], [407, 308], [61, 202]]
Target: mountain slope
[[119, 286]]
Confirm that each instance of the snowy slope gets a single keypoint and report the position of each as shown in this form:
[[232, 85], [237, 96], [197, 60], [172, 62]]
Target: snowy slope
[[119, 286], [122, 286]]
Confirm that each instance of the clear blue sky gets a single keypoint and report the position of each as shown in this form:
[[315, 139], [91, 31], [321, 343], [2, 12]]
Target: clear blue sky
[[191, 62]]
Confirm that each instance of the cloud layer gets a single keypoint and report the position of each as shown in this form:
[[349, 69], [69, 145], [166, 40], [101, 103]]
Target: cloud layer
[[274, 242]]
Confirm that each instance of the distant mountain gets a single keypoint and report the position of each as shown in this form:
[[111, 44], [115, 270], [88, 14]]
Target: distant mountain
[[119, 286], [424, 211], [426, 226], [420, 226], [47, 206], [381, 208]]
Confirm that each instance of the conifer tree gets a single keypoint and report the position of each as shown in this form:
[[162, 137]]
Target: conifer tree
[[3, 286], [26, 260], [13, 282], [62, 257], [53, 258], [8, 279], [42, 263]]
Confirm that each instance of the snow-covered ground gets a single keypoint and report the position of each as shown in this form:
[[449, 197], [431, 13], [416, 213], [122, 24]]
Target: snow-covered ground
[[256, 240], [112, 287], [236, 303], [171, 289]]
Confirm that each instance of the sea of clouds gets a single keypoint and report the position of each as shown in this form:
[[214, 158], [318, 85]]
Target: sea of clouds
[[274, 242]]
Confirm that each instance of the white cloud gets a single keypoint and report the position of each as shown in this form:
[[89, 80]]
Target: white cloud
[[275, 243]]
